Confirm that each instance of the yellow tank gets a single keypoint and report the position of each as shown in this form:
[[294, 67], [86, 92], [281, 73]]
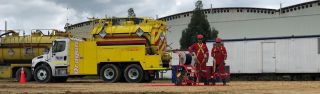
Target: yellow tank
[[14, 48]]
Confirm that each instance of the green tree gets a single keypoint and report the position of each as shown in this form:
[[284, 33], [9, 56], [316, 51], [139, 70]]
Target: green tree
[[198, 25]]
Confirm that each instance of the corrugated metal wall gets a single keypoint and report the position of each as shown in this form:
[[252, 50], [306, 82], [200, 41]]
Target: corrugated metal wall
[[300, 55]]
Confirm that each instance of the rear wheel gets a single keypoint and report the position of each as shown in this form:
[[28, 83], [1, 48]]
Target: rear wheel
[[110, 73], [133, 73], [27, 73], [43, 74]]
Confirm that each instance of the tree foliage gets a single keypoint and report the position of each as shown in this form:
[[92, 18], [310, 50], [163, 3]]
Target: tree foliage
[[198, 25]]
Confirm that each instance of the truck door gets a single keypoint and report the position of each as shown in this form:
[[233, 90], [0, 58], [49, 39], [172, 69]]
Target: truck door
[[59, 53]]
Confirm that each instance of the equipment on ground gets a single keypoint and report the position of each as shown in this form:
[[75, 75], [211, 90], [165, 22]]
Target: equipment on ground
[[188, 74]]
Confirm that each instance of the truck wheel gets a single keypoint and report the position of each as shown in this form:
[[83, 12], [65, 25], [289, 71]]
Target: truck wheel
[[43, 74], [60, 79], [133, 73], [110, 73], [27, 73]]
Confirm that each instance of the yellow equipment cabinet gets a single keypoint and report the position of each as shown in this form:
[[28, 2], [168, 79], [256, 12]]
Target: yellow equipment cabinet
[[128, 50], [18, 51]]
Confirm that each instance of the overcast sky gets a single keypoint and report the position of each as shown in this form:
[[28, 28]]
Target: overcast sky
[[31, 14]]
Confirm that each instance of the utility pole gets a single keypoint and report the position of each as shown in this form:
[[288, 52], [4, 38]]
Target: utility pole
[[5, 26], [280, 10], [67, 14]]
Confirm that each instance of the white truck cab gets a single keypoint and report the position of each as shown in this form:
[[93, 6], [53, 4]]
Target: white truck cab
[[53, 65]]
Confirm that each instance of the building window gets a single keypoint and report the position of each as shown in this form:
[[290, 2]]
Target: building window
[[319, 3], [302, 7], [307, 6], [310, 5], [299, 8], [295, 9]]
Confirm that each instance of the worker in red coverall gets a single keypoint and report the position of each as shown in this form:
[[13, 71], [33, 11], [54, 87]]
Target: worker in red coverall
[[219, 53], [201, 51]]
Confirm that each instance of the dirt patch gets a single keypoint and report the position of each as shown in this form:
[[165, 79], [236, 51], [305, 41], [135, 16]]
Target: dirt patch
[[98, 87]]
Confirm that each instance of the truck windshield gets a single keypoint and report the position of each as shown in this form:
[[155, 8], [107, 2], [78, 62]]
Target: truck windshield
[[58, 46]]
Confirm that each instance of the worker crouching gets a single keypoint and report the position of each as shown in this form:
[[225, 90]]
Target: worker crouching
[[200, 50]]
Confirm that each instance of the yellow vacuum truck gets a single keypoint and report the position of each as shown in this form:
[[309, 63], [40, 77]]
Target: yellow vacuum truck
[[130, 49], [18, 51]]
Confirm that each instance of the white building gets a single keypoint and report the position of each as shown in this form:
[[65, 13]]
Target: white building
[[244, 22], [263, 41]]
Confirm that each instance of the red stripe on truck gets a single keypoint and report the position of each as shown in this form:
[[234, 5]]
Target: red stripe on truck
[[113, 37], [131, 42]]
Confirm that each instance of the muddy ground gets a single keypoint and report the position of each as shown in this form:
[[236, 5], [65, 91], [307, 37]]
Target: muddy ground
[[98, 87]]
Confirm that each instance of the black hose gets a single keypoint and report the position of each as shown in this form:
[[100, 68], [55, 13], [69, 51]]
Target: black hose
[[148, 44], [6, 33]]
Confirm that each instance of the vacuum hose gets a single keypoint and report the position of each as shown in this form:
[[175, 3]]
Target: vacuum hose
[[6, 33]]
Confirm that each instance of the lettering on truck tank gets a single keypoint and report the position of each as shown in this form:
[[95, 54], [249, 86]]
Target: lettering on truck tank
[[76, 58]]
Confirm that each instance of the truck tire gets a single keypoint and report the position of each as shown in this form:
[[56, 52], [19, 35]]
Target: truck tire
[[133, 74], [43, 74], [27, 73], [110, 73]]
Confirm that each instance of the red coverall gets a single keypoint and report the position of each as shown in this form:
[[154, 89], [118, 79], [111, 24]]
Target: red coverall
[[219, 53], [201, 51]]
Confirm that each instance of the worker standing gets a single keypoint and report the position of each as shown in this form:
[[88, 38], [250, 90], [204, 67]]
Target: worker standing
[[201, 51], [219, 54]]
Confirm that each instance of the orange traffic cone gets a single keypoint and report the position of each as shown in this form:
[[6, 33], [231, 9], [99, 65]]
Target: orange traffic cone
[[22, 77]]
